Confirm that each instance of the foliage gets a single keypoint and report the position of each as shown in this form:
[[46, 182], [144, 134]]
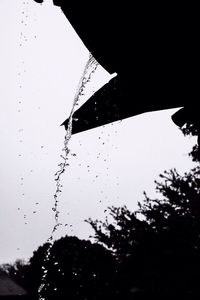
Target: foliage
[[158, 247], [76, 268], [192, 130]]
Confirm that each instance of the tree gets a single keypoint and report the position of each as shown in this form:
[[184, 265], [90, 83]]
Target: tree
[[158, 246], [193, 130], [76, 269]]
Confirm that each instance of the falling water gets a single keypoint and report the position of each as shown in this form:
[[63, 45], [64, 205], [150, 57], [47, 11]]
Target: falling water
[[21, 70], [89, 69]]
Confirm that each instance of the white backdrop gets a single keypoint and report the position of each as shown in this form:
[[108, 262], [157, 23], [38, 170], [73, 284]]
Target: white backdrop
[[41, 61]]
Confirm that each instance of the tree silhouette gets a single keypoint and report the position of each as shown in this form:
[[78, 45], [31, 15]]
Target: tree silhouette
[[158, 246], [76, 269], [191, 129]]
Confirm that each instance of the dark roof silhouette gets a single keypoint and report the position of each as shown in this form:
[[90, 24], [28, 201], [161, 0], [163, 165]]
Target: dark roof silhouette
[[8, 287], [154, 49]]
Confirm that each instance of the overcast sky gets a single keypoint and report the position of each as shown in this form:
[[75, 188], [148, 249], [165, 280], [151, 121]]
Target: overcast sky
[[41, 62]]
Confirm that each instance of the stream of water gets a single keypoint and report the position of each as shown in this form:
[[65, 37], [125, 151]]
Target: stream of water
[[89, 69]]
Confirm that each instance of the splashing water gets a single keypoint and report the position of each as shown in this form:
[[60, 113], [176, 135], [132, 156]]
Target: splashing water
[[89, 69]]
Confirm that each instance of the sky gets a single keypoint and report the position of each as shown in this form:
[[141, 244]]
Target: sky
[[41, 63]]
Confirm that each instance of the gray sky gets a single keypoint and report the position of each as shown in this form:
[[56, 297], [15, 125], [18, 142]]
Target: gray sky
[[41, 62]]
